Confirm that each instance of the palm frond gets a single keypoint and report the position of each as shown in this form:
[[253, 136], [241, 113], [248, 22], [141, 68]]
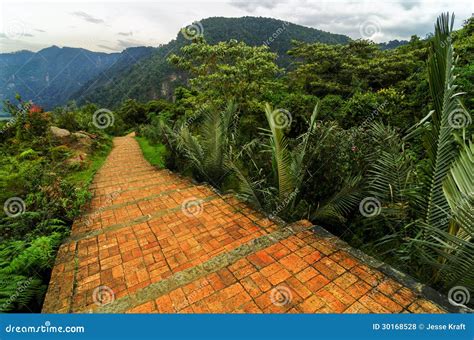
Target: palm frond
[[281, 156], [459, 182], [450, 255], [341, 203], [189, 145], [248, 189], [300, 161], [392, 172], [439, 141], [211, 146]]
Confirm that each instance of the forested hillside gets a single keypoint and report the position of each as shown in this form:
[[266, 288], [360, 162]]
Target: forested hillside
[[155, 78], [56, 75], [51, 76], [375, 145]]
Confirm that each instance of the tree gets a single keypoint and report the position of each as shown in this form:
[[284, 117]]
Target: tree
[[229, 71]]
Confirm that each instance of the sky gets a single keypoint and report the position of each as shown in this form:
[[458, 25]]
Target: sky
[[111, 26]]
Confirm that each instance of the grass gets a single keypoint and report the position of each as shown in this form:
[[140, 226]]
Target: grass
[[154, 154], [82, 178]]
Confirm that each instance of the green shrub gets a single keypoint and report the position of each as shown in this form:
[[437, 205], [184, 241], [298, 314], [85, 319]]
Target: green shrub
[[59, 153], [52, 198], [28, 155]]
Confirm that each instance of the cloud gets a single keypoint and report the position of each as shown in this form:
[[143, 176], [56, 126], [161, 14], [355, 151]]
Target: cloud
[[129, 43], [87, 17], [410, 4], [16, 37], [41, 31], [154, 23], [9, 45], [105, 47], [120, 45], [251, 6], [379, 21]]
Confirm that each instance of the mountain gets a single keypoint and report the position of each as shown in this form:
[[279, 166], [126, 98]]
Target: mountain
[[56, 75], [392, 44], [50, 76], [153, 77]]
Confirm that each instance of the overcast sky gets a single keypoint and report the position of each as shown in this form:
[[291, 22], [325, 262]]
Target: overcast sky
[[112, 26]]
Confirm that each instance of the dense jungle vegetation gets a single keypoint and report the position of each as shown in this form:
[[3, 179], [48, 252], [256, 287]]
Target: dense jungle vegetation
[[376, 145]]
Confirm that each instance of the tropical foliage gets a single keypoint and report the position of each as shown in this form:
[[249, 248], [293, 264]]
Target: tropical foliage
[[387, 128], [43, 184], [374, 144]]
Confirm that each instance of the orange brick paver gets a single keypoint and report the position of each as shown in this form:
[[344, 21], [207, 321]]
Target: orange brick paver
[[151, 241]]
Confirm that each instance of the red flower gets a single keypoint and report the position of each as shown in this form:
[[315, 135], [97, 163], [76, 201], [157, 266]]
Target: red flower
[[35, 109]]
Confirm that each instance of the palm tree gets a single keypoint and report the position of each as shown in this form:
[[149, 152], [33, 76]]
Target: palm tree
[[209, 148], [441, 234], [277, 192], [447, 224]]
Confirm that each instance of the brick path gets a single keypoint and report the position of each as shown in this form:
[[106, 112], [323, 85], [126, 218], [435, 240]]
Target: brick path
[[151, 241]]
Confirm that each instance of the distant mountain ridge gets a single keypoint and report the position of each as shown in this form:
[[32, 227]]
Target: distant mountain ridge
[[154, 77], [50, 76], [54, 76]]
